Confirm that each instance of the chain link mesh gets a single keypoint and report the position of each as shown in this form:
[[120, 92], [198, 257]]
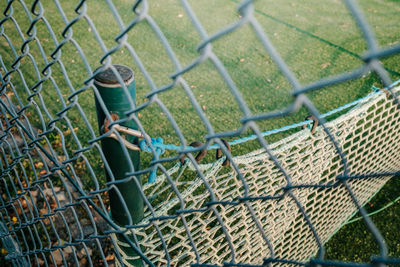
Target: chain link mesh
[[276, 204]]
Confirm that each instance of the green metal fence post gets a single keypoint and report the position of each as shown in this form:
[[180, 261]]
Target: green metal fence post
[[117, 103]]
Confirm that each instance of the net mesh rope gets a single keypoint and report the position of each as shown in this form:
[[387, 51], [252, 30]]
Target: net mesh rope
[[276, 205], [311, 161]]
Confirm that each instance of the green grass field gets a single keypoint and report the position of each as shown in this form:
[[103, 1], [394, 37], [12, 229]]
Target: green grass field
[[316, 39]]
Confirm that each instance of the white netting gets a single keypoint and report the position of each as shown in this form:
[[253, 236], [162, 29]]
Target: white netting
[[368, 135], [71, 195]]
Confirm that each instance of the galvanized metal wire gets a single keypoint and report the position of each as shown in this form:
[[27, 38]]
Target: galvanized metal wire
[[51, 215]]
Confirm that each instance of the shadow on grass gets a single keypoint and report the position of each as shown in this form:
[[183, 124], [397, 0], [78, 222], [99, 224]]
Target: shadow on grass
[[354, 242]]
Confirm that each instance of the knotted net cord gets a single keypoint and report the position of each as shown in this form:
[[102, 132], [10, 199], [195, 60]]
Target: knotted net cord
[[277, 205], [369, 134]]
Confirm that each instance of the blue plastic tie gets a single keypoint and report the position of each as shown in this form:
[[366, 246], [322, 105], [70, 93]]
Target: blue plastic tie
[[159, 147], [376, 89]]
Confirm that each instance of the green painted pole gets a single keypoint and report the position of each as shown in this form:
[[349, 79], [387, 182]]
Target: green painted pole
[[117, 103]]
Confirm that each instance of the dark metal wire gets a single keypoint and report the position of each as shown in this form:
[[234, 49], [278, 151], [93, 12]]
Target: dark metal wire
[[19, 140]]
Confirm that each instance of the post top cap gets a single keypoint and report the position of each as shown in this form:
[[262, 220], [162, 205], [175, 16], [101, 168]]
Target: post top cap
[[108, 77]]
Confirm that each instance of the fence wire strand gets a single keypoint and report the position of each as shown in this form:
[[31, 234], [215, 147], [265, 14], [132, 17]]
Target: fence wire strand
[[53, 213]]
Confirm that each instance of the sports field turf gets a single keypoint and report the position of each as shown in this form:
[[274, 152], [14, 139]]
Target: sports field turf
[[315, 38]]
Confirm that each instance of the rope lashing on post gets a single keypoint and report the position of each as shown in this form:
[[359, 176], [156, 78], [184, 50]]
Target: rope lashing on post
[[159, 148]]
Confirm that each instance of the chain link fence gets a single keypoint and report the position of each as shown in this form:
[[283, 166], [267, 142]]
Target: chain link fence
[[103, 166]]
